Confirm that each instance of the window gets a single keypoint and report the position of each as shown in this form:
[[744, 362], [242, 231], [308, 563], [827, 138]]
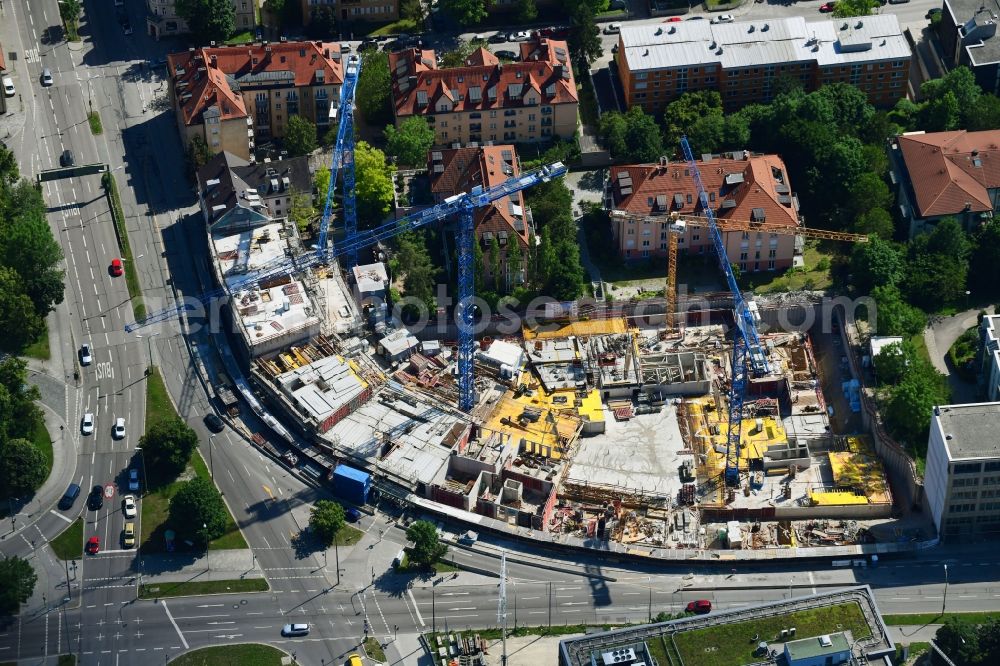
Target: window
[[966, 468], [770, 265], [993, 466]]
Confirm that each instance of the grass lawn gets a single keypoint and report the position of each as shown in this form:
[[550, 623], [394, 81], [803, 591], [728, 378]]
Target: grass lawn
[[374, 650], [815, 275], [241, 38], [94, 118], [193, 588], [730, 644], [400, 26], [348, 536], [69, 544], [39, 348], [937, 618], [247, 654], [158, 405], [40, 438], [963, 352]]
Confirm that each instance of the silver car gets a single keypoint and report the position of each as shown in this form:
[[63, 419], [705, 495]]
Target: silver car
[[46, 77]]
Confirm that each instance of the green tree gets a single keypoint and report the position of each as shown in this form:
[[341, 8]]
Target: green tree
[[18, 411], [908, 412], [531, 263], [9, 173], [419, 272], [549, 201], [495, 263], [458, 56], [167, 445], [961, 83], [274, 7], [681, 115], [466, 12], [515, 259], [984, 271], [300, 136], [875, 264], [612, 128], [847, 8], [18, 318], [941, 114], [938, 265], [374, 184], [559, 259], [209, 20], [890, 364], [959, 639], [374, 90], [411, 141], [984, 114], [69, 10], [301, 210], [869, 191], [427, 548], [326, 518], [197, 509], [22, 468], [322, 22], [875, 222], [584, 36], [321, 183], [642, 137], [412, 10], [526, 11], [17, 584], [28, 247], [893, 315], [198, 154], [478, 262]]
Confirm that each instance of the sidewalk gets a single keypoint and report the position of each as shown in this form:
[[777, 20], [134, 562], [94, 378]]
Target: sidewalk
[[922, 633], [214, 565]]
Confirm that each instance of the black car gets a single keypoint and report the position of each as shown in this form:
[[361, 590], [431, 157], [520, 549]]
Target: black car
[[67, 159], [506, 55], [95, 500], [214, 423], [498, 38]]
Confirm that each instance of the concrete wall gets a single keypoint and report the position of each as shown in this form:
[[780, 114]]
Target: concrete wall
[[858, 511]]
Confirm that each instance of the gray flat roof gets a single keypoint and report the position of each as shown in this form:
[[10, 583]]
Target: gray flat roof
[[966, 12], [808, 648], [974, 430]]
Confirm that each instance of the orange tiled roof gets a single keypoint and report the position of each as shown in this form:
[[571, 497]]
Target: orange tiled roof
[[213, 76], [457, 170], [483, 83], [952, 171], [739, 188]]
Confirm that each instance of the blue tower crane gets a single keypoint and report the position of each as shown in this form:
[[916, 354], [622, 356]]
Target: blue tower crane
[[747, 350], [343, 154], [463, 204]]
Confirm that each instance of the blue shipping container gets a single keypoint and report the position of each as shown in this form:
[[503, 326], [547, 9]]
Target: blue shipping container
[[351, 484]]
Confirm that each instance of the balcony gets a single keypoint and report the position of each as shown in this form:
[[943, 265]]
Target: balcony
[[476, 127], [249, 121], [509, 124]]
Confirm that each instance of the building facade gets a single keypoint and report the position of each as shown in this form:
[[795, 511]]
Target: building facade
[[487, 101], [962, 475], [968, 36], [506, 221], [163, 21], [233, 97], [745, 61], [354, 10], [989, 357], [946, 174], [740, 187]]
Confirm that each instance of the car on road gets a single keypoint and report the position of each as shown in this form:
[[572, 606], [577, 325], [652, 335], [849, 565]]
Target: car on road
[[701, 606], [695, 18], [612, 28], [295, 630], [354, 660], [87, 424], [8, 87], [128, 537], [118, 431], [519, 36], [214, 423], [85, 356], [95, 500], [46, 77], [69, 497], [67, 159], [352, 515], [506, 54], [674, 19], [133, 480], [93, 545], [116, 267], [497, 38], [128, 506], [827, 7], [723, 18]]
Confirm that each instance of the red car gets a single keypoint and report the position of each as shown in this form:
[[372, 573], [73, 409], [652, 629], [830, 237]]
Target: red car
[[94, 545], [827, 7], [674, 19], [701, 606], [116, 267]]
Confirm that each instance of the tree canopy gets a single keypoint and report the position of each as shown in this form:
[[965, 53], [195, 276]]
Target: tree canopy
[[411, 141], [168, 445], [23, 469], [326, 519], [584, 36], [17, 583], [968, 643], [427, 547], [322, 22], [374, 184], [419, 272], [466, 12], [848, 8], [197, 509], [300, 136], [374, 90], [209, 20]]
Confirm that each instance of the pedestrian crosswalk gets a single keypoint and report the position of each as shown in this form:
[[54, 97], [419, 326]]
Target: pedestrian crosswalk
[[31, 55]]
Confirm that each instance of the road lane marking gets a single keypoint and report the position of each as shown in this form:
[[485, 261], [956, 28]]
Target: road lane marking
[[409, 592], [176, 628], [210, 606], [59, 515], [201, 617], [468, 608]]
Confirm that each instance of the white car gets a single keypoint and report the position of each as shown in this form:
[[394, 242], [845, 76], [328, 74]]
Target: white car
[[85, 356], [519, 36], [128, 506], [612, 28], [723, 18], [119, 430], [87, 425], [8, 87]]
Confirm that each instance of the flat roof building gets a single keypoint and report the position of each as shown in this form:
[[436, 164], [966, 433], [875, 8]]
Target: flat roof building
[[324, 392], [968, 34], [962, 475], [989, 371], [825, 650], [657, 63]]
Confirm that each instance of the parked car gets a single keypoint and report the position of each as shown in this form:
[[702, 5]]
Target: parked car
[[116, 267], [506, 54], [354, 660], [85, 356], [827, 7], [352, 515], [128, 506], [8, 87], [695, 18], [497, 38], [723, 18], [700, 606], [519, 36], [295, 630], [118, 432], [674, 19], [87, 424], [612, 28], [133, 480], [128, 537], [95, 500], [93, 545]]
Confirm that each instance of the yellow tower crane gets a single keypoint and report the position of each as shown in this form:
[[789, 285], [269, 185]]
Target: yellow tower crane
[[678, 224]]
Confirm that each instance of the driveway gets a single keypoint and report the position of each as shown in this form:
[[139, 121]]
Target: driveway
[[939, 337]]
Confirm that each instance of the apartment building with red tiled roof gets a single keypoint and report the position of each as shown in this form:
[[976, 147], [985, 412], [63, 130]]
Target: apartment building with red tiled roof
[[947, 174], [162, 19], [740, 186], [485, 100], [507, 220], [235, 96], [354, 10]]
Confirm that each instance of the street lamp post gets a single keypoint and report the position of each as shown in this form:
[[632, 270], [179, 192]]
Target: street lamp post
[[208, 561], [649, 581], [149, 345], [944, 599], [144, 481]]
